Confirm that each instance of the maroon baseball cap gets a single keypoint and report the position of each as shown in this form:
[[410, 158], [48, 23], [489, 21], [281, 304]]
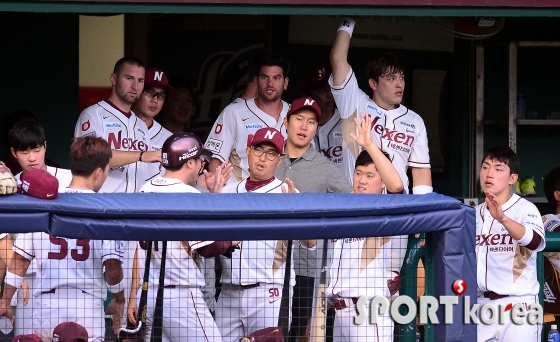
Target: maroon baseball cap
[[269, 135], [315, 78], [27, 338], [69, 332], [155, 77], [39, 183], [305, 103], [271, 334]]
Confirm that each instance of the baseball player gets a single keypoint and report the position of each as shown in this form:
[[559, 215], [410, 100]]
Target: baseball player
[[178, 110], [366, 266], [551, 223], [312, 172], [509, 232], [126, 133], [72, 275], [148, 105], [328, 139], [239, 121], [28, 146], [252, 279], [396, 129], [185, 315]]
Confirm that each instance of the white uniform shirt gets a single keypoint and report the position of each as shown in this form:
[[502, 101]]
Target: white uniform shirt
[[158, 135], [362, 266], [180, 268], [400, 132], [65, 262], [257, 261], [329, 140], [123, 132], [234, 129], [503, 265]]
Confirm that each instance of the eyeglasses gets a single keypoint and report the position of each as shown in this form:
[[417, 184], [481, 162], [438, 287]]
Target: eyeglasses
[[270, 155], [152, 93]]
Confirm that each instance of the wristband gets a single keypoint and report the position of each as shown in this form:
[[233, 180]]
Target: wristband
[[422, 189], [140, 157], [347, 25], [14, 280], [117, 287]]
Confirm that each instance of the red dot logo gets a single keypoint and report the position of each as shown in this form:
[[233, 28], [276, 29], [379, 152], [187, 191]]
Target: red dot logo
[[459, 286]]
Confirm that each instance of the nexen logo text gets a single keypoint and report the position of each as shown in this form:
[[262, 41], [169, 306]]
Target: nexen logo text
[[113, 125], [392, 135], [117, 143]]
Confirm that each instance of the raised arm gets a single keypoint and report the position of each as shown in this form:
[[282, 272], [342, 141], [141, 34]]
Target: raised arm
[[339, 51], [384, 166]]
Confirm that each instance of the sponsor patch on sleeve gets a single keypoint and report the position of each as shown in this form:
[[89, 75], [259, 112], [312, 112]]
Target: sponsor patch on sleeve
[[85, 126], [214, 145]]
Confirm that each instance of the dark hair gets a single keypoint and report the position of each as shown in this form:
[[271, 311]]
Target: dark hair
[[552, 183], [87, 154], [273, 59], [505, 155], [9, 120], [364, 159], [383, 65], [128, 60], [26, 134], [181, 83]]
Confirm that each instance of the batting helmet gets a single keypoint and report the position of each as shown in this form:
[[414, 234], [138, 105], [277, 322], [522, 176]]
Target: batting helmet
[[179, 148], [315, 78]]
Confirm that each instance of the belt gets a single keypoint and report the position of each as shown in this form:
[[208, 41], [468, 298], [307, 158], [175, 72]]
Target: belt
[[493, 295], [342, 303], [241, 287], [54, 291]]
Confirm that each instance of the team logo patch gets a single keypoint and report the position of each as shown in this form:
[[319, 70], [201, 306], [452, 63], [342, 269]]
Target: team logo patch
[[89, 134], [119, 246], [214, 145], [254, 126], [85, 126], [338, 134], [112, 125]]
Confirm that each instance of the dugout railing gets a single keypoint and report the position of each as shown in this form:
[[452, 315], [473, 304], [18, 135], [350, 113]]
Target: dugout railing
[[267, 217]]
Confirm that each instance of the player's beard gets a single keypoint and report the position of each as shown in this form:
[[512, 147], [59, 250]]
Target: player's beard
[[125, 96]]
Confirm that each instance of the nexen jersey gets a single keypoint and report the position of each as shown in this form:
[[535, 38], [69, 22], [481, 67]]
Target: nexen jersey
[[400, 132], [362, 266], [503, 265], [329, 140], [123, 132], [158, 135], [180, 268], [257, 261], [234, 129], [65, 262]]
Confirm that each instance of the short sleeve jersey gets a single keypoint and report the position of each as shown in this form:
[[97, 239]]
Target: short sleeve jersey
[[503, 265], [63, 262], [180, 267], [400, 132], [329, 140], [234, 129], [123, 132], [258, 260], [158, 135]]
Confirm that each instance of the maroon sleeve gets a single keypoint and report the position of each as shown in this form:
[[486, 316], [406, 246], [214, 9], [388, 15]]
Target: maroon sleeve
[[535, 241], [214, 249]]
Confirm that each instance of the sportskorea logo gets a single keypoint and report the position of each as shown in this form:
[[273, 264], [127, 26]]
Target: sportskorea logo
[[427, 306]]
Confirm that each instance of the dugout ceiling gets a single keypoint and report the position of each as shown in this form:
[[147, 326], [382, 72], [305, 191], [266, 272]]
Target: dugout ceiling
[[507, 8]]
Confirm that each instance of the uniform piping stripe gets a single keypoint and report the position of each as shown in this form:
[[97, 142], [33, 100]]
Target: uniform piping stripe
[[198, 316]]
